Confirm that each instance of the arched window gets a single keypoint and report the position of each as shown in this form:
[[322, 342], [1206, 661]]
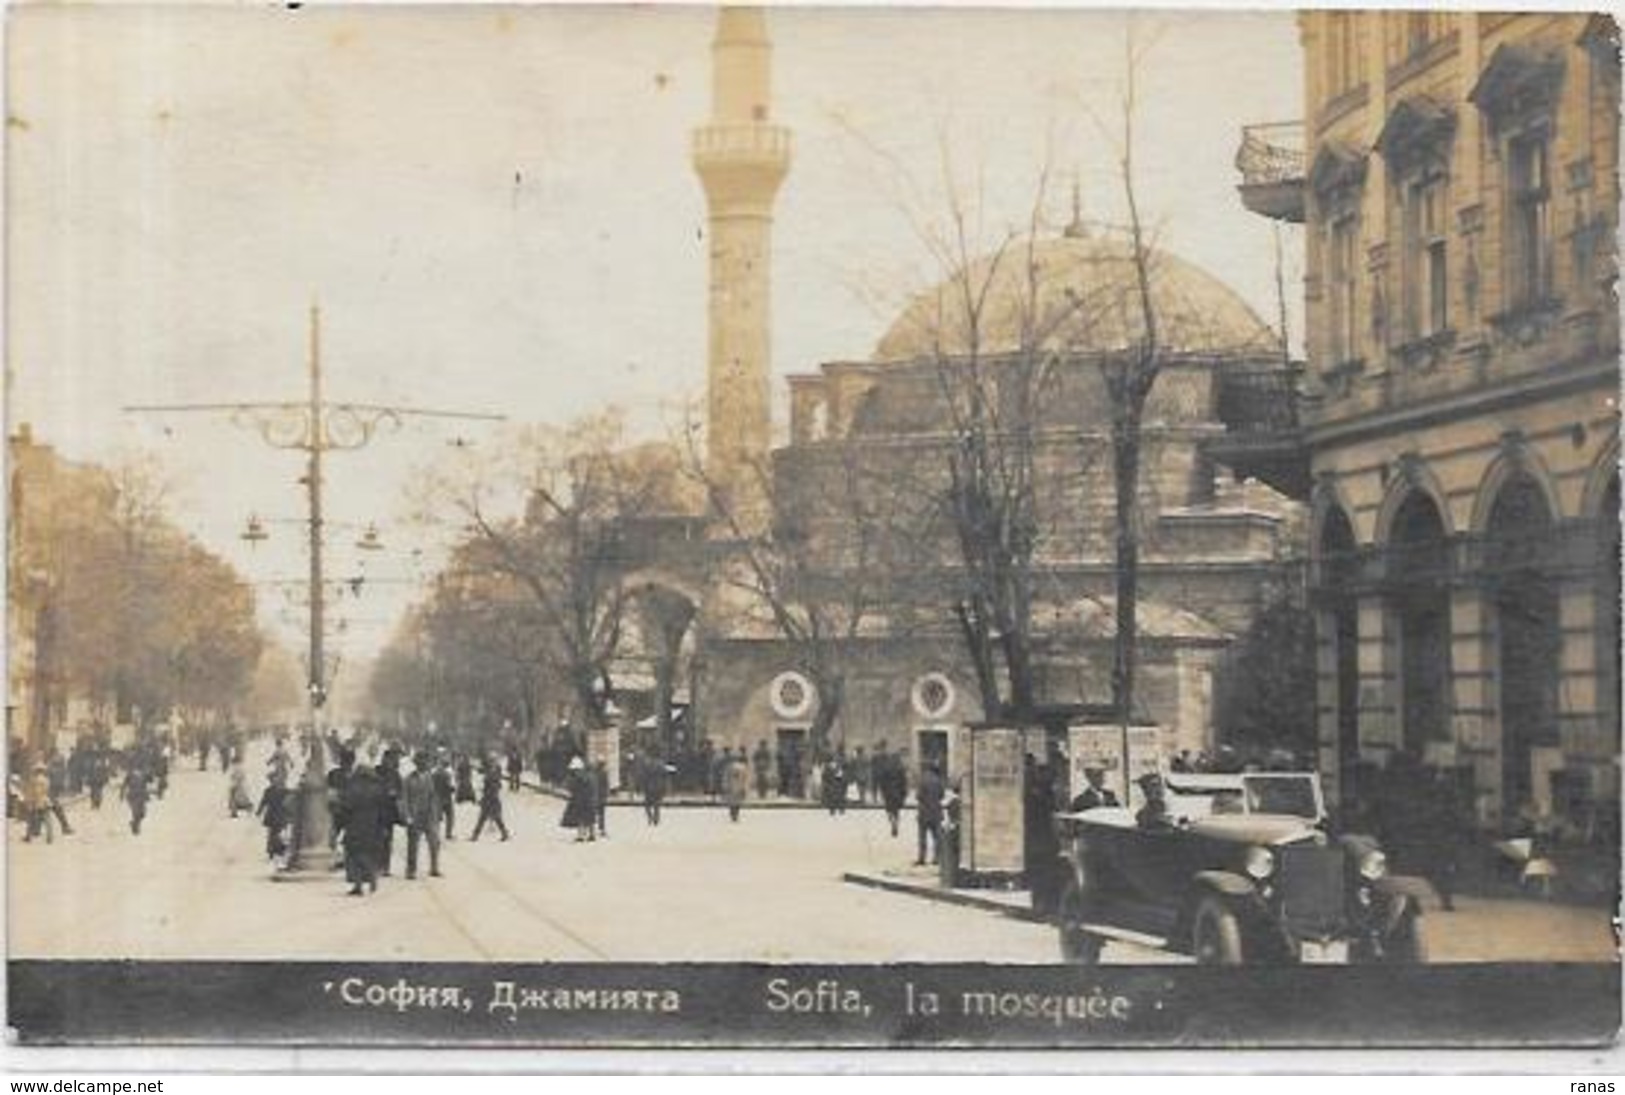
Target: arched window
[[1524, 599], [1418, 567]]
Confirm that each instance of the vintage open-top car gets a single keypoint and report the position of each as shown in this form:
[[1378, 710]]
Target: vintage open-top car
[[1233, 869]]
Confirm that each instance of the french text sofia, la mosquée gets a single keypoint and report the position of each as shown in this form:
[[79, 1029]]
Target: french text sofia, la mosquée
[[827, 996]]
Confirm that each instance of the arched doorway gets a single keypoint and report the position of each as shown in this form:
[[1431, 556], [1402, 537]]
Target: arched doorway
[[1525, 610], [1419, 572], [1337, 575]]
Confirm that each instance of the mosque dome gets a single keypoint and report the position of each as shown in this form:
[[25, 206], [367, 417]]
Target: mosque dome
[[1087, 301]]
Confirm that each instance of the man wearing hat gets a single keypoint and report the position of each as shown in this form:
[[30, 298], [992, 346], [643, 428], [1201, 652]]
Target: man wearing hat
[[1154, 814], [420, 804], [1095, 794]]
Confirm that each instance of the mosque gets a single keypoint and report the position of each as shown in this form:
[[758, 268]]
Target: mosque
[[1221, 488]]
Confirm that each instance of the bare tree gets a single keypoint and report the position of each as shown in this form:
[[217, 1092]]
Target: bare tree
[[576, 490], [991, 333], [821, 573], [1130, 375]]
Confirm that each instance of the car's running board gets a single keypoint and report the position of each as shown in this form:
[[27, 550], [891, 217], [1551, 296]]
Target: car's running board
[[1126, 935]]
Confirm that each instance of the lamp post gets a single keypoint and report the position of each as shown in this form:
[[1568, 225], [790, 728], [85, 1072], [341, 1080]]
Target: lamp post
[[315, 427]]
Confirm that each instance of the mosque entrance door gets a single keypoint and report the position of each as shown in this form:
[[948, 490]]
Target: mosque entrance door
[[791, 751]]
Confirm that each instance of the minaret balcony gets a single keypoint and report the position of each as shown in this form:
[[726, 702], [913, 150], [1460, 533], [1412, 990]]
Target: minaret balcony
[[728, 145], [1273, 169]]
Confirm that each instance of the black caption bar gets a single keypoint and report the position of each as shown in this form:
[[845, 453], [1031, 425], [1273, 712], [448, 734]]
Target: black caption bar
[[715, 1005]]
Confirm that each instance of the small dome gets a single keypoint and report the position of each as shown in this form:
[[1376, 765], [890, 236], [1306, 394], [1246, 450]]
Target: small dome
[[1087, 299]]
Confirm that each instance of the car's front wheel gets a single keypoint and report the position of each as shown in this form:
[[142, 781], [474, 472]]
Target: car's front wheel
[[1215, 934]]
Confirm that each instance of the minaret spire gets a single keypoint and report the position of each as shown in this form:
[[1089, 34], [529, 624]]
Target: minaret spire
[[1075, 230], [741, 158]]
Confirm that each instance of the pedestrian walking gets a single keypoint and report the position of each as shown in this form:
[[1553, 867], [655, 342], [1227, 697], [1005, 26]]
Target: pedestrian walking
[[363, 827], [420, 803], [490, 800], [273, 814], [237, 797], [445, 792], [465, 779], [652, 778], [834, 783], [580, 812], [600, 796], [762, 763], [389, 779], [37, 804], [516, 767], [735, 783], [891, 780], [56, 779], [96, 775], [135, 793], [928, 813], [861, 775]]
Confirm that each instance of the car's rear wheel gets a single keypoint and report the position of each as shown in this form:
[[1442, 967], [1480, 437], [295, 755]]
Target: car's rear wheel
[[1215, 934], [1078, 944]]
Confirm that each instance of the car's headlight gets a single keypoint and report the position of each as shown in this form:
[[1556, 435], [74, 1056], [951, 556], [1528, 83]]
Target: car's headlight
[[1373, 865], [1260, 864]]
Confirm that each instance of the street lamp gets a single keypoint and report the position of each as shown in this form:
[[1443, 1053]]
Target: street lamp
[[369, 540], [255, 532], [314, 426]]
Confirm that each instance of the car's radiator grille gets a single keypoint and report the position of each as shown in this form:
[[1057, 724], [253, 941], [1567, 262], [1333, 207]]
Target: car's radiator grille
[[1310, 885]]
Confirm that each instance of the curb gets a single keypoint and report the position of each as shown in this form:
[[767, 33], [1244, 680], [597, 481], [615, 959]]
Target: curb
[[963, 898]]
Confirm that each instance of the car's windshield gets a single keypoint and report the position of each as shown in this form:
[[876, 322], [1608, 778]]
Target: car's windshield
[[1293, 795]]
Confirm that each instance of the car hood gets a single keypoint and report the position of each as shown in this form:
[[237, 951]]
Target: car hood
[[1257, 828]]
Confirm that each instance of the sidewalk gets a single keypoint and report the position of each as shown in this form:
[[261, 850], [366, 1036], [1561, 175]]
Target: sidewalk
[[923, 882]]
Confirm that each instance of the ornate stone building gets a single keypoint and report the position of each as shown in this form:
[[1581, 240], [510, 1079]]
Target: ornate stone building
[[874, 435], [1459, 184]]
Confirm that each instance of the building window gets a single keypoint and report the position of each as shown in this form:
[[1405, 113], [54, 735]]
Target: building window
[[1342, 52], [1343, 251], [1423, 28], [1529, 220], [1427, 283]]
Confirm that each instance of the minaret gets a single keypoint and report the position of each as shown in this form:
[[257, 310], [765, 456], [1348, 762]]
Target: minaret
[[741, 159]]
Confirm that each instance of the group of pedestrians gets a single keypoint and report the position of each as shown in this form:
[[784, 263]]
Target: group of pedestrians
[[40, 786]]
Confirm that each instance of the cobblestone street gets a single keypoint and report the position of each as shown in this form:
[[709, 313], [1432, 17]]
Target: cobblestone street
[[195, 884]]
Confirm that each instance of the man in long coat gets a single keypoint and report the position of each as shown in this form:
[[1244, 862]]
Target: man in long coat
[[928, 813], [735, 782], [891, 779], [135, 792], [363, 827], [652, 777], [420, 803], [490, 800]]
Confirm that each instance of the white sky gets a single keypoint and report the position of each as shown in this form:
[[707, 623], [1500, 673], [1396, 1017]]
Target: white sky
[[496, 211]]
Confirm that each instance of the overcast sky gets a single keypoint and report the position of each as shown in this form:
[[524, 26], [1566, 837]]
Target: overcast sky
[[495, 209]]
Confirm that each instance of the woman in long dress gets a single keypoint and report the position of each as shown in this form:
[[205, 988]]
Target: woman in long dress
[[580, 812]]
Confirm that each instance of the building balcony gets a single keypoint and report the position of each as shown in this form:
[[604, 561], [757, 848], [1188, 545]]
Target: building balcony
[[1263, 438], [749, 141], [1274, 168]]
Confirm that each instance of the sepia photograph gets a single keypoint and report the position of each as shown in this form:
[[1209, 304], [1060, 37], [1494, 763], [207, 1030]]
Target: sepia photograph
[[670, 526]]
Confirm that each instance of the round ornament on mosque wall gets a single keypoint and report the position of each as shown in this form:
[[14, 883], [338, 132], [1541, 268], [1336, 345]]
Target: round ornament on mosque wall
[[933, 696], [791, 694]]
